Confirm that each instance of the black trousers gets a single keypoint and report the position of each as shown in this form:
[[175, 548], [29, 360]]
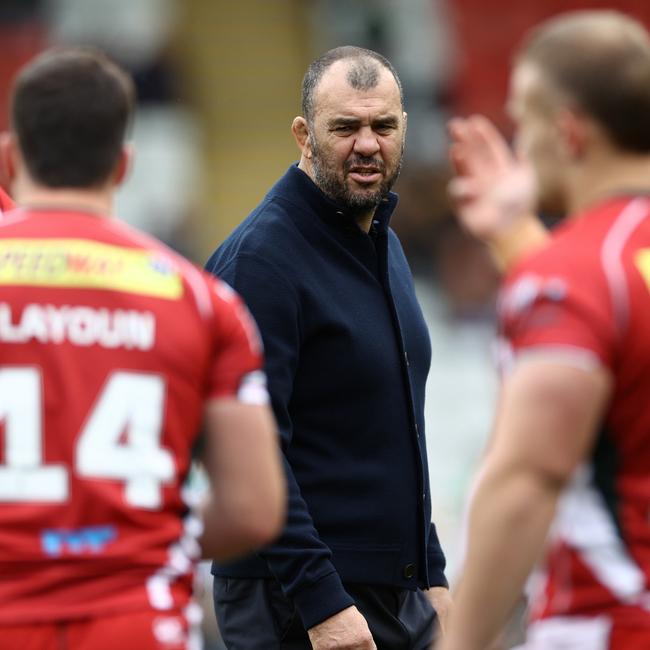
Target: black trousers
[[254, 614]]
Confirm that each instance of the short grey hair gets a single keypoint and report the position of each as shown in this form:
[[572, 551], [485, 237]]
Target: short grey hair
[[363, 74]]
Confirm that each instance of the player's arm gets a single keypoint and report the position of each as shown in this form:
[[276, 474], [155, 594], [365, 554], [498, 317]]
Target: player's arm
[[545, 425], [247, 504], [494, 191]]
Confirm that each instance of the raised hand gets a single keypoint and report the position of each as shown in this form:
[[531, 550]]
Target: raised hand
[[494, 190], [492, 187]]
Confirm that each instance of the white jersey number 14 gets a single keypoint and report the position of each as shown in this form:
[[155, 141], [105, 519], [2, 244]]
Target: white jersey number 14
[[129, 403]]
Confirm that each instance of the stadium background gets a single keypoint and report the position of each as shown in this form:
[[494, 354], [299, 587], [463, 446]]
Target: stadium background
[[218, 85]]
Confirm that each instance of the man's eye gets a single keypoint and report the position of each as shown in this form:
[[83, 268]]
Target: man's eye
[[384, 129]]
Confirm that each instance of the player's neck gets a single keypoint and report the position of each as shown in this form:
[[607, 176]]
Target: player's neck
[[96, 201], [610, 176]]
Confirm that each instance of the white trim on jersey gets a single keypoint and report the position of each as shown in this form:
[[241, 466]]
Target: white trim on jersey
[[194, 615], [584, 523], [181, 556], [568, 633], [252, 389], [569, 355], [610, 256]]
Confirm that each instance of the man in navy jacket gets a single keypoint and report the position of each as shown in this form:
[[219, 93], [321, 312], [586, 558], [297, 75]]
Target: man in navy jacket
[[347, 355]]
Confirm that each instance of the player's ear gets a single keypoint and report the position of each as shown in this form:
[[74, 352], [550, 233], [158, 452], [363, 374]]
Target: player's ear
[[300, 130], [574, 131], [124, 164], [8, 153]]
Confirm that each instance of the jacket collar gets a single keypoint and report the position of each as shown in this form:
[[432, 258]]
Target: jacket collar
[[297, 188]]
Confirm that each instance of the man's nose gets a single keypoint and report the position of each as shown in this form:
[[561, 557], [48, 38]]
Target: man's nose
[[366, 143]]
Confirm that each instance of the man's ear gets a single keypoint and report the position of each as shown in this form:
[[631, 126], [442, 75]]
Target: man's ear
[[124, 164], [300, 130], [8, 153], [574, 129]]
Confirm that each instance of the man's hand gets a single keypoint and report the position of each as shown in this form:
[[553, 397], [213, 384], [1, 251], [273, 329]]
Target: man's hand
[[441, 601], [494, 190], [346, 630], [492, 186]]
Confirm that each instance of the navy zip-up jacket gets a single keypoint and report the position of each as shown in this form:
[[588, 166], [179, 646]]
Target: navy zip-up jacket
[[347, 356]]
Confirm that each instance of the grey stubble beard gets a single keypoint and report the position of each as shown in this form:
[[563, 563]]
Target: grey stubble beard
[[354, 203]]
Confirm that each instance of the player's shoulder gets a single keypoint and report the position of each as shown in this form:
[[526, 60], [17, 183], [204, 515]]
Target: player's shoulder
[[133, 237], [208, 294], [559, 259], [582, 245], [552, 273], [210, 298], [583, 260]]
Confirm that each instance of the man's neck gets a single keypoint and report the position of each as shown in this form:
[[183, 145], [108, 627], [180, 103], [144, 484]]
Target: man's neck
[[363, 220], [96, 201], [609, 176]]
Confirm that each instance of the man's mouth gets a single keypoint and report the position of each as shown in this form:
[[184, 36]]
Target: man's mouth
[[364, 174]]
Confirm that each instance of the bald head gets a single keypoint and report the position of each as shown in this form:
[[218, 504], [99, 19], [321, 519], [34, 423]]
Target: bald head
[[364, 69], [600, 62]]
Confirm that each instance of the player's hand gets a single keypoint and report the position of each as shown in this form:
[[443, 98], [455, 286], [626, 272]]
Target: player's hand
[[492, 187], [346, 630], [441, 601]]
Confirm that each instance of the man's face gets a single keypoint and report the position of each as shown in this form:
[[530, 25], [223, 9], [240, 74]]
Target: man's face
[[357, 138], [531, 104]]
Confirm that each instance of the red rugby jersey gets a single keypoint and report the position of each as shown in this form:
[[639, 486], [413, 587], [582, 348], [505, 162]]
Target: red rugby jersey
[[586, 298], [109, 345], [6, 203]]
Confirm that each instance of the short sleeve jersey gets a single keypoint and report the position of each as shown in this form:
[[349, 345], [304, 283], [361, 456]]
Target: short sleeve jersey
[[110, 345], [585, 299]]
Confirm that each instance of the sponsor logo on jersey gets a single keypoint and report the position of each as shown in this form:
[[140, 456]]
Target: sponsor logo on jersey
[[79, 325], [83, 264], [91, 539]]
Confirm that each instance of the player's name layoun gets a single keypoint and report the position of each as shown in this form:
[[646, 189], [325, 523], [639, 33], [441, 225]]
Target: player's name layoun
[[79, 325]]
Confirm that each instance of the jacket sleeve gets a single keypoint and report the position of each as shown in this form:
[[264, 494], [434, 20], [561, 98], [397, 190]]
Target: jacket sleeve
[[436, 561], [299, 559]]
